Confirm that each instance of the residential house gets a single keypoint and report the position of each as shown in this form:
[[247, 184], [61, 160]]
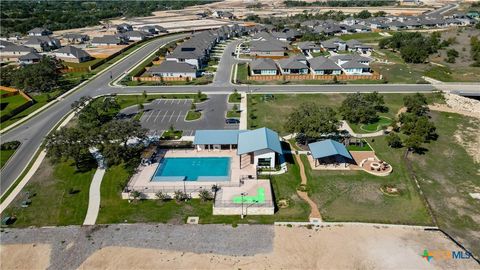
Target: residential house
[[292, 66], [324, 66], [13, 52], [396, 25], [334, 44], [172, 69], [4, 43], [30, 58], [308, 47], [152, 29], [352, 64], [354, 45], [72, 54], [263, 66], [43, 43], [74, 38], [135, 35], [268, 48], [124, 27], [107, 40], [355, 68], [39, 31]]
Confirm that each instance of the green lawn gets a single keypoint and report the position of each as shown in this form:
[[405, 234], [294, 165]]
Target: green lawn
[[273, 113], [372, 127], [172, 134], [356, 195], [235, 98], [242, 73], [83, 64], [40, 100], [193, 115], [447, 174], [115, 210], [371, 37], [233, 114], [9, 104], [53, 203], [354, 147], [5, 156], [197, 81]]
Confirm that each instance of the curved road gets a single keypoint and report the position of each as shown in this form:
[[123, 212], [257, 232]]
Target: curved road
[[32, 132]]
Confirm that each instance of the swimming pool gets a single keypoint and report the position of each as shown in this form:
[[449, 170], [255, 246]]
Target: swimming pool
[[193, 169]]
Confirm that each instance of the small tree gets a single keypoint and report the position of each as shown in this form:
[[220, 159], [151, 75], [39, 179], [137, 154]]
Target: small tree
[[205, 195], [162, 196], [235, 108], [140, 107], [136, 195], [393, 140], [179, 196], [144, 94], [414, 143], [193, 107], [199, 95]]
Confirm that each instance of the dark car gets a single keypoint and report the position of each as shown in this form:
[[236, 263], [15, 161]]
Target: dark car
[[232, 121]]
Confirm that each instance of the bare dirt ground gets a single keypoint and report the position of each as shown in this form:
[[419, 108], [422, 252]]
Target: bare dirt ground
[[333, 247]]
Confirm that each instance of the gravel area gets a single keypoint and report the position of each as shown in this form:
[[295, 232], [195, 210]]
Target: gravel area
[[73, 244]]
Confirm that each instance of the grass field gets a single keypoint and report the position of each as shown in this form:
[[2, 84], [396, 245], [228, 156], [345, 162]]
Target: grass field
[[5, 156], [60, 197], [273, 113], [233, 114], [234, 98], [371, 37], [356, 195], [9, 104], [83, 64], [447, 174]]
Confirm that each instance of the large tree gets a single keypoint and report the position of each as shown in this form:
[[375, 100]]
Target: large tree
[[416, 104], [41, 77], [362, 108], [312, 121], [69, 143]]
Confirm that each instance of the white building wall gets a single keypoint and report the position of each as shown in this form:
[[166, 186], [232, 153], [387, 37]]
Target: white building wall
[[266, 153]]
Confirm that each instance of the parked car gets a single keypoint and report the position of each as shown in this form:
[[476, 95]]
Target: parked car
[[232, 121]]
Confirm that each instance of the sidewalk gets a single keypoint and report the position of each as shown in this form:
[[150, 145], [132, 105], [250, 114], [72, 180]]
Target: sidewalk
[[243, 112], [346, 127], [94, 198]]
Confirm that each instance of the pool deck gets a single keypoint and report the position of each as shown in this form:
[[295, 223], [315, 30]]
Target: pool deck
[[142, 179]]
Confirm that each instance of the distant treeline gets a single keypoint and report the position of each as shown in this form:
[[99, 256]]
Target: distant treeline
[[21, 16], [340, 3]]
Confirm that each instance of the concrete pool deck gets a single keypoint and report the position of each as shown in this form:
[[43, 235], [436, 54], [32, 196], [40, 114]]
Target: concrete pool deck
[[141, 180]]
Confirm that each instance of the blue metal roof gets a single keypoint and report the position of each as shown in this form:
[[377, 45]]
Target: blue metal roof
[[328, 148], [258, 139], [216, 136]]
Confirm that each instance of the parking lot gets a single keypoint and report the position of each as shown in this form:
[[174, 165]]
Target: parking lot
[[161, 114]]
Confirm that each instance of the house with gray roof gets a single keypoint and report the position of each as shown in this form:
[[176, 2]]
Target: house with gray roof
[[308, 46], [268, 48], [30, 58], [324, 66], [107, 40], [355, 68], [263, 66], [135, 35], [354, 45], [43, 43], [39, 31], [292, 66], [152, 29], [124, 27], [72, 54], [13, 52], [172, 69], [334, 45], [75, 38]]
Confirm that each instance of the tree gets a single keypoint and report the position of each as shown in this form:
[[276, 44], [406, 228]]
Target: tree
[[205, 195], [193, 107], [364, 14], [70, 143], [416, 104], [144, 94], [393, 140], [358, 108], [162, 196], [312, 120], [140, 106], [413, 143], [120, 132], [452, 54], [179, 196], [136, 195], [41, 77], [376, 100]]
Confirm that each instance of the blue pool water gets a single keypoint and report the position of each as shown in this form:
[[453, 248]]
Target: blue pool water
[[193, 169]]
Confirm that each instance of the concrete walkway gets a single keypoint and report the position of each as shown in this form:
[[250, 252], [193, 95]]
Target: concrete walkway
[[94, 198], [345, 126], [314, 213], [243, 111]]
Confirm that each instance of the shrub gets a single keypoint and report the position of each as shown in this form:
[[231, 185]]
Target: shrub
[[162, 196], [393, 140], [10, 145], [136, 194], [205, 195], [179, 196]]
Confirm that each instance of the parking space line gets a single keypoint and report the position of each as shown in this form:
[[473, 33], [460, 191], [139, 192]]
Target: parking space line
[[170, 119], [148, 118], [164, 116], [154, 120], [178, 102], [178, 117], [185, 101]]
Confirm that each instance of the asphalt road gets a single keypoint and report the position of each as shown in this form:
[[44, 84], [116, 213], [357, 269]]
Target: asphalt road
[[32, 132]]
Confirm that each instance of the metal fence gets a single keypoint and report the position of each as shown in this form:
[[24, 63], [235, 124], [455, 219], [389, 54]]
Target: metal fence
[[222, 203]]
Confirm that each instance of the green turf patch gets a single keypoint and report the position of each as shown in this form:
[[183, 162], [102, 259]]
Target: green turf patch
[[376, 126], [193, 115]]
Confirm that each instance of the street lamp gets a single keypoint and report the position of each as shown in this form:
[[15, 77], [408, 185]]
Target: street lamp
[[184, 187], [243, 194]]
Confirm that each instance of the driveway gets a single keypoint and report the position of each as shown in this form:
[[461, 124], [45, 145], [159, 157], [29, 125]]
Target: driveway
[[161, 114]]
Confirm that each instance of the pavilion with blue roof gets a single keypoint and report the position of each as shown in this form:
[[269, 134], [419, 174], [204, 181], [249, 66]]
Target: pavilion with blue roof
[[261, 147], [330, 151]]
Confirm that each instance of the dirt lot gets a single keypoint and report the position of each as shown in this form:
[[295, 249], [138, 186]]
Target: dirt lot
[[336, 247], [462, 46]]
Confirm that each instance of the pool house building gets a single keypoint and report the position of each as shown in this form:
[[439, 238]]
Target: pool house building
[[330, 152], [260, 147]]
